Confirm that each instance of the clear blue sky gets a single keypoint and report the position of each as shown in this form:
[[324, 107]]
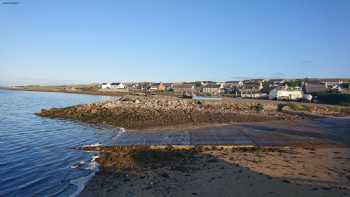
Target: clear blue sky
[[171, 40]]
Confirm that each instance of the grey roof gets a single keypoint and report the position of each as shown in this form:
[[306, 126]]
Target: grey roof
[[251, 85], [212, 86], [183, 86], [314, 87]]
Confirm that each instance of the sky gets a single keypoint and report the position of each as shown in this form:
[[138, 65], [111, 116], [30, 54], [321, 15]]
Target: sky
[[80, 41]]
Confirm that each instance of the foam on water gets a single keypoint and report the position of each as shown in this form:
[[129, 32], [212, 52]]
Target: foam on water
[[92, 145], [81, 182], [122, 130]]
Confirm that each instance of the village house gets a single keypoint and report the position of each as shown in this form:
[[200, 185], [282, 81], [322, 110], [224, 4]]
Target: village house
[[252, 89], [331, 83], [157, 87], [153, 88], [212, 89], [232, 87], [117, 86], [286, 94], [232, 84], [141, 86], [314, 87], [276, 82], [205, 83], [183, 88], [231, 90], [105, 85], [134, 87], [113, 85], [168, 86]]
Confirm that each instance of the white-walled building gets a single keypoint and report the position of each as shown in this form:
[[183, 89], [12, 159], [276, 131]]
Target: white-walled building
[[105, 86], [285, 94], [113, 85]]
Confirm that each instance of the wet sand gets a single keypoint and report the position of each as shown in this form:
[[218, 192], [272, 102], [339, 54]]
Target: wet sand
[[290, 158], [227, 172]]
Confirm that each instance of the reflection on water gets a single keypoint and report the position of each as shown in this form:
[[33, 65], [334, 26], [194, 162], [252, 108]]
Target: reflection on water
[[36, 159]]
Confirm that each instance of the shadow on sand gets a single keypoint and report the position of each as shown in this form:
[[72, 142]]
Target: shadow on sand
[[191, 171]]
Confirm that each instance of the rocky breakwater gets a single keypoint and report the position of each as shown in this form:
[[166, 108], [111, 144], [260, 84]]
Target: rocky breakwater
[[142, 112]]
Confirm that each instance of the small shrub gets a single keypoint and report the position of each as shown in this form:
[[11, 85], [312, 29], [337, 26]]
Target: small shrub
[[199, 102], [259, 107]]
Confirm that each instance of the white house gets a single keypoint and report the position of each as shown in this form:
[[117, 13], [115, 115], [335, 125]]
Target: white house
[[285, 94], [117, 86], [105, 85], [113, 85]]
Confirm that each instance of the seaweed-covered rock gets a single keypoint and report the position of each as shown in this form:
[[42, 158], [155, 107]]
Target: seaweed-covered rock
[[138, 112]]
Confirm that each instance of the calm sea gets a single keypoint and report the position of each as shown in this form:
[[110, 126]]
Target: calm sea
[[36, 159]]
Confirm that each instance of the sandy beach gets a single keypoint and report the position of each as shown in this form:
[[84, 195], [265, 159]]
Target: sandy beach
[[284, 158], [223, 171]]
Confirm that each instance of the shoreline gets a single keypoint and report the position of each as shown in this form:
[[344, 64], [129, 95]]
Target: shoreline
[[187, 171], [301, 166]]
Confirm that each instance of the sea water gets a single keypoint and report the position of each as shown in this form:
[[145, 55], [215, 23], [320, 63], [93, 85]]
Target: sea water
[[36, 155]]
